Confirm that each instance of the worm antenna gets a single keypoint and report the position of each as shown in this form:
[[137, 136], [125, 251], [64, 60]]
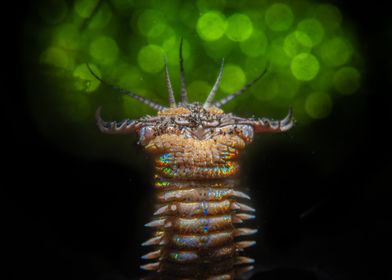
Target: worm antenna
[[172, 100], [184, 94], [142, 99], [210, 97], [230, 97]]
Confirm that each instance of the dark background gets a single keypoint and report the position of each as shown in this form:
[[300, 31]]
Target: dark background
[[69, 218]]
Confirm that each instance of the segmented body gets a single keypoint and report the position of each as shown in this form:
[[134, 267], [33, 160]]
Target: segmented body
[[197, 193], [195, 149]]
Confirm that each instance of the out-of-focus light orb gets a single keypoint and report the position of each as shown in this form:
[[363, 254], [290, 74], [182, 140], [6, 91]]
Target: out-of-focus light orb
[[233, 78], [198, 90], [211, 26], [329, 15], [255, 45], [151, 23], [313, 28], [279, 17], [318, 105], [67, 36], [239, 27], [297, 42], [84, 8], [52, 11], [56, 57], [336, 51], [101, 18], [347, 80], [305, 66], [84, 80], [150, 59], [104, 50]]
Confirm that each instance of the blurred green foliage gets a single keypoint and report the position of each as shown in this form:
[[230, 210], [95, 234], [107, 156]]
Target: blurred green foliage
[[313, 57]]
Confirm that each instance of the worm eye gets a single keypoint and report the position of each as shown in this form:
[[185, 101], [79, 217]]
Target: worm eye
[[146, 134], [247, 133]]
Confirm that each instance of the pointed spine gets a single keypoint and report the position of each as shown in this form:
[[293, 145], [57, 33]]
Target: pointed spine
[[172, 100], [211, 96], [142, 99], [184, 94], [230, 97]]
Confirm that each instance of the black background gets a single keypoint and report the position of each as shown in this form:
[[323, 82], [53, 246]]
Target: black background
[[68, 218]]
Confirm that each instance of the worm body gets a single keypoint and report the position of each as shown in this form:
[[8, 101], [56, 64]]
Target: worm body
[[197, 225]]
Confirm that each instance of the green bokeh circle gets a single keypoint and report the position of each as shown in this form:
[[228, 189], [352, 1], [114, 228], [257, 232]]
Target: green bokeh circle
[[318, 105], [150, 59], [239, 27], [211, 26], [347, 80], [104, 50], [279, 17], [305, 66]]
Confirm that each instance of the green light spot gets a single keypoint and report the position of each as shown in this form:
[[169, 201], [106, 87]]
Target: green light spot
[[313, 28], [233, 78], [101, 18], [329, 16], [56, 57], [67, 36], [151, 23], [239, 27], [279, 17], [84, 80], [305, 67], [52, 11], [318, 105], [104, 49], [211, 26], [297, 42], [150, 59], [347, 80], [200, 89], [84, 8], [255, 45], [336, 51]]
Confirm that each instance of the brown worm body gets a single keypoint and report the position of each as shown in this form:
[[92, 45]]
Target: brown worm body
[[195, 149], [197, 193]]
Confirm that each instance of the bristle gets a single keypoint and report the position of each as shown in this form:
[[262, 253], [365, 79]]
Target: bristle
[[235, 206], [236, 219], [243, 207], [152, 255], [150, 266], [221, 277], [244, 231], [243, 216], [152, 241], [161, 210], [245, 244], [156, 223], [242, 270], [241, 194], [244, 260]]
